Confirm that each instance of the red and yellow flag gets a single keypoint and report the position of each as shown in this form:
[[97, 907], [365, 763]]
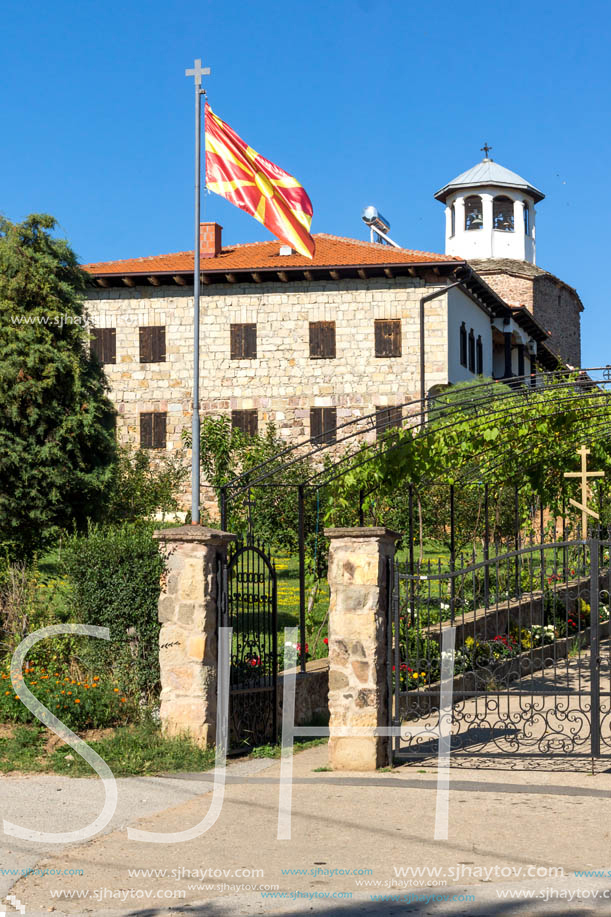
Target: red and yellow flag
[[254, 184]]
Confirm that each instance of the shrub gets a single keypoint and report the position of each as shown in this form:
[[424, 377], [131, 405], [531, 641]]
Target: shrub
[[139, 488], [116, 574], [79, 703]]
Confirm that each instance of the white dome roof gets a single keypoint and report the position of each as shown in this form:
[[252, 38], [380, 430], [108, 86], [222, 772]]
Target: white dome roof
[[489, 172]]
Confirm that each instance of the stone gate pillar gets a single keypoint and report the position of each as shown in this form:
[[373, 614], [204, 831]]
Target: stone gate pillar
[[359, 561], [188, 637]]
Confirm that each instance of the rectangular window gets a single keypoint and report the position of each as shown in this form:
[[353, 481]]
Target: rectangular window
[[243, 342], [152, 344], [471, 351], [388, 337], [153, 430], [322, 340], [463, 345], [386, 419], [479, 355], [323, 422], [246, 421], [104, 344]]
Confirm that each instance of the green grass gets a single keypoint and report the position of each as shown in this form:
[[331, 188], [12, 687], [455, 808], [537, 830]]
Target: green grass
[[287, 569], [130, 751]]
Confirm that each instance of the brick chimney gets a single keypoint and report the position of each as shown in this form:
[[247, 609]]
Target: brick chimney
[[210, 239]]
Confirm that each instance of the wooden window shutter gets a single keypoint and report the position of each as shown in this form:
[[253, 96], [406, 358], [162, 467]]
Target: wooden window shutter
[[315, 423], [146, 345], [250, 342], [243, 338], [104, 344], [159, 430], [387, 419], [152, 344], [329, 424], [471, 351], [387, 337], [463, 345], [480, 356], [247, 421], [146, 431], [158, 344], [322, 340]]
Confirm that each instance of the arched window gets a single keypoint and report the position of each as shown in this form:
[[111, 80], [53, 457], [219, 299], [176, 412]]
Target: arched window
[[452, 219], [463, 345], [471, 351], [526, 218], [473, 212], [502, 214]]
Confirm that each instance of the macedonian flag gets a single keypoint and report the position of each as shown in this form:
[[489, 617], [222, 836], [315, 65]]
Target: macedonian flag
[[254, 184]]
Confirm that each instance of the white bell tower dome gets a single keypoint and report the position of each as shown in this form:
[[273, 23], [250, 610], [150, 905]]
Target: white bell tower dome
[[490, 213]]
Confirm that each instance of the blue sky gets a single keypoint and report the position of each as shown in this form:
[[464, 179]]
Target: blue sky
[[365, 101]]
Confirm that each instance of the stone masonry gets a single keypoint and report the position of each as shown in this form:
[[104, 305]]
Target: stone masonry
[[188, 637], [553, 303], [359, 562], [282, 382]]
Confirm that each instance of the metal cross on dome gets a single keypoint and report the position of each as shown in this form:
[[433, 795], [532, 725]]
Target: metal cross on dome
[[607, 373], [485, 149]]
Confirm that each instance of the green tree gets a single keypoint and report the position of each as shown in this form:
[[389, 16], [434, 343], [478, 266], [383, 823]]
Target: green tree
[[57, 442]]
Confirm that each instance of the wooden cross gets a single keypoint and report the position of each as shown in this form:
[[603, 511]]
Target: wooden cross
[[584, 474]]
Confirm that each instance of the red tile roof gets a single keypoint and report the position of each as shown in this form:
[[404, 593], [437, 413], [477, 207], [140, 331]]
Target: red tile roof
[[331, 251]]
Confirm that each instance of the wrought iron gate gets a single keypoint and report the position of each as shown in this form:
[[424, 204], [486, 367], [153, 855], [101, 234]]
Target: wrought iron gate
[[532, 660], [249, 606]]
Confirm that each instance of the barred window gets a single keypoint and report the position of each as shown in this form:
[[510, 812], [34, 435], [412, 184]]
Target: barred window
[[104, 344], [152, 344], [153, 430], [243, 339]]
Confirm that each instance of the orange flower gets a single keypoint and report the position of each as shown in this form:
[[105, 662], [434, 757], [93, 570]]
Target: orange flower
[[69, 692], [76, 700], [62, 692], [116, 690], [123, 700], [7, 692]]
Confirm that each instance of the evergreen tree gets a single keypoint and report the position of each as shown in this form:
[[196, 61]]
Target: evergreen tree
[[57, 440]]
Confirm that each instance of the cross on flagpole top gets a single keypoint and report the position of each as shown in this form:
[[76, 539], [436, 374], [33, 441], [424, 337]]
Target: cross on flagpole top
[[197, 71]]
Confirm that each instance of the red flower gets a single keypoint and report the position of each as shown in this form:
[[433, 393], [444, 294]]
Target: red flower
[[326, 641]]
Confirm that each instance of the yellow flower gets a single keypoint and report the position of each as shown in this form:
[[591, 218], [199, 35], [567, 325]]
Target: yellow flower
[[62, 692], [116, 690], [422, 674], [7, 692]]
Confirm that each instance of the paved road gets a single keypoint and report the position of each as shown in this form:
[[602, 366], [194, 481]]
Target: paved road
[[511, 820]]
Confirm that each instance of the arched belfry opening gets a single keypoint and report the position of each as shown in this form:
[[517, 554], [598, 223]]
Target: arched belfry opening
[[490, 213]]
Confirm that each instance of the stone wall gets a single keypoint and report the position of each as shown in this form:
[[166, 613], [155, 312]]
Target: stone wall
[[282, 383], [554, 304]]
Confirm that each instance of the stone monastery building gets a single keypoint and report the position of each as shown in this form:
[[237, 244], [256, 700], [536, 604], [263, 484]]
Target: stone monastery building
[[310, 344]]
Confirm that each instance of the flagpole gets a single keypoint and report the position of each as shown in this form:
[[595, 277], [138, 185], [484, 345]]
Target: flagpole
[[196, 72]]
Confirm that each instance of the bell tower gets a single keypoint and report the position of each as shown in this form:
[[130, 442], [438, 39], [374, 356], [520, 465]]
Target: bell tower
[[490, 213]]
